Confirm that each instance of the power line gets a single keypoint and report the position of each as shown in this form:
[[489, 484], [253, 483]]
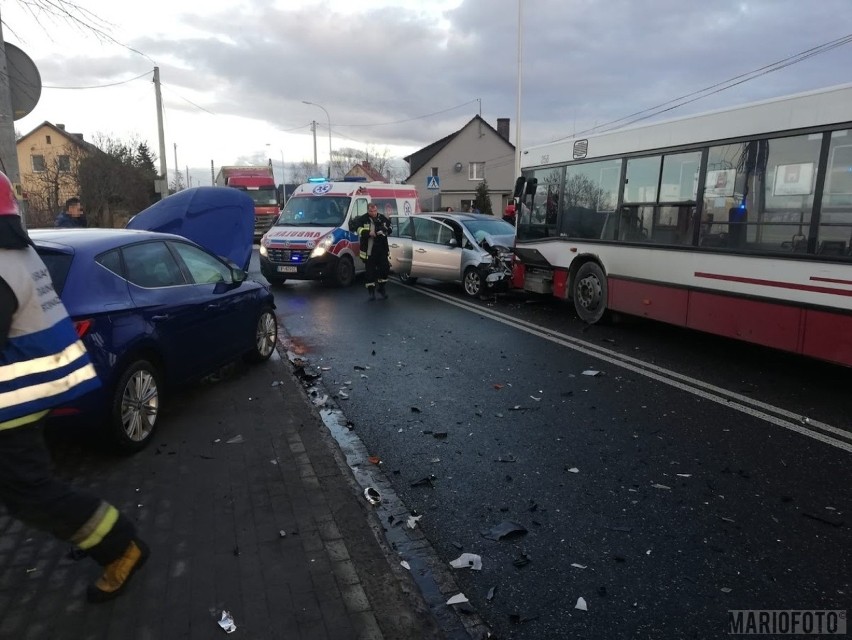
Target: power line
[[714, 88], [428, 115], [99, 86]]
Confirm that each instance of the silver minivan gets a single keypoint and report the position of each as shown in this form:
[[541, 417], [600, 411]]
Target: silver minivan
[[470, 248]]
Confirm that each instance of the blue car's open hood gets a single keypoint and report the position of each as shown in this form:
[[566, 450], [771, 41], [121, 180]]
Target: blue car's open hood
[[220, 219]]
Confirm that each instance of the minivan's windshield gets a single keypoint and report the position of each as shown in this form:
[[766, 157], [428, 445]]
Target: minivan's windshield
[[314, 211], [494, 227]]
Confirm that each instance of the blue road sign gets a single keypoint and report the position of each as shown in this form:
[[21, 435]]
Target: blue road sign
[[433, 182]]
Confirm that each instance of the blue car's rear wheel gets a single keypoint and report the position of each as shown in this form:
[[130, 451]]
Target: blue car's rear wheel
[[135, 406]]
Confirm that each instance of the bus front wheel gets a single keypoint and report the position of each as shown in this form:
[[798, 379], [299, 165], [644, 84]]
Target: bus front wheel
[[589, 292]]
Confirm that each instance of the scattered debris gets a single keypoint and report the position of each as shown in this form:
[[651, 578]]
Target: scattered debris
[[425, 482], [581, 604], [661, 486], [227, 622], [440, 435], [435, 460], [459, 598], [731, 520], [467, 561], [507, 458], [457, 545], [276, 383], [536, 399], [282, 533], [375, 460], [505, 529], [405, 565], [522, 560], [415, 410], [412, 521], [573, 470], [834, 521], [373, 496], [358, 367], [578, 566], [684, 475], [498, 386], [235, 440], [725, 590], [490, 595], [343, 395], [591, 372]]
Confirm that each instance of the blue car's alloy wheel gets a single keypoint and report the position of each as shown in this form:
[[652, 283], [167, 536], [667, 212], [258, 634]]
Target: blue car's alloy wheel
[[136, 405], [266, 336]]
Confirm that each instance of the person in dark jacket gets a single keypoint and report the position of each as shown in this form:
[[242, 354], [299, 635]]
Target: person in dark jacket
[[72, 216], [43, 364], [373, 230]]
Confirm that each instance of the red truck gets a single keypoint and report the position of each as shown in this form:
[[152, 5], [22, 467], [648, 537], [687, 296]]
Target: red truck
[[259, 183]]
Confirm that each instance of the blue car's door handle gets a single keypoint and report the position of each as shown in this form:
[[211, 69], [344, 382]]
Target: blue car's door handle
[[160, 318], [211, 307]]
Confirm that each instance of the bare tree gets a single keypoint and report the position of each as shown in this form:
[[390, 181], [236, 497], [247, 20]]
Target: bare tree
[[302, 171]]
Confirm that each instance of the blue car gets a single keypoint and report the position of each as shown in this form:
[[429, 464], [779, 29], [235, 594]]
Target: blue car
[[156, 310]]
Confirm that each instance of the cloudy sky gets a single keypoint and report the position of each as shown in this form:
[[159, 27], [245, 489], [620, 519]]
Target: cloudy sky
[[397, 75]]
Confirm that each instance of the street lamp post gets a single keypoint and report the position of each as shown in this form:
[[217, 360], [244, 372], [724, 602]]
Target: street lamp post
[[329, 132]]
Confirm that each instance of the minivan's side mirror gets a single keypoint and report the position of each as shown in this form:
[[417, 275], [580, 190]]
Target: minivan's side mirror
[[520, 183]]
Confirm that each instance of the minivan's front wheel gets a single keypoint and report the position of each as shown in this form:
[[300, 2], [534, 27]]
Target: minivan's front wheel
[[589, 292], [472, 282], [135, 406]]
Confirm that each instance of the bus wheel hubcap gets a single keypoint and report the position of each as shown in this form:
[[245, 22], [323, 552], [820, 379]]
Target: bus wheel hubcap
[[590, 292]]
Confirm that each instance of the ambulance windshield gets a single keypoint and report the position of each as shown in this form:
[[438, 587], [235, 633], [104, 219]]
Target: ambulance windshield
[[314, 211]]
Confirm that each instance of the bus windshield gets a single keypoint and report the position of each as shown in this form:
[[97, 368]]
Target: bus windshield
[[314, 211]]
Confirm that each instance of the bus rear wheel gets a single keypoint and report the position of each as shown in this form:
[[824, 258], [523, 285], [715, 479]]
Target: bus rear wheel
[[589, 292]]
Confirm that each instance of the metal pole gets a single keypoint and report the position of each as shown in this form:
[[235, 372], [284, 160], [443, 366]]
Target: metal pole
[[212, 175], [518, 97], [164, 176], [8, 144], [329, 134], [314, 129], [176, 169]]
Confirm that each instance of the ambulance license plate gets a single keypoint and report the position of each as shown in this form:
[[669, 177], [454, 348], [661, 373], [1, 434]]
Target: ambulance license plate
[[286, 269]]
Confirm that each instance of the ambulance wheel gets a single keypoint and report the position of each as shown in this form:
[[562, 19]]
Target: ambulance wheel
[[472, 282], [344, 272], [405, 278], [135, 406], [589, 292]]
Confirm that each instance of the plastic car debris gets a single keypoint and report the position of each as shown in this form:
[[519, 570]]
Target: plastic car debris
[[506, 529], [375, 460], [522, 560], [415, 410], [236, 440], [226, 621], [490, 595], [581, 604], [405, 565], [425, 482], [467, 561], [573, 470], [578, 566], [656, 485], [591, 372], [459, 598], [373, 496], [411, 522]]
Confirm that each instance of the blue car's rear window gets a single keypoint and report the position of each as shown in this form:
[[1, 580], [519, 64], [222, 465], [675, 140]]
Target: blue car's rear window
[[58, 264]]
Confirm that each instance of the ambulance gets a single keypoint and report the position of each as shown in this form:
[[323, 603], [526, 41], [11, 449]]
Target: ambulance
[[311, 239]]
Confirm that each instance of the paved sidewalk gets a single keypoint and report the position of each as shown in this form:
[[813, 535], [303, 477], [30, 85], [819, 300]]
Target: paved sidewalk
[[269, 528]]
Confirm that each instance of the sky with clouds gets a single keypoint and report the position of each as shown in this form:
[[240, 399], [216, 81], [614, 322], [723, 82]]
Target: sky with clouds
[[396, 75]]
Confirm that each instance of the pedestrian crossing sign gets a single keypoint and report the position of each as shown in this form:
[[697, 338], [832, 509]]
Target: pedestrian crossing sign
[[433, 182]]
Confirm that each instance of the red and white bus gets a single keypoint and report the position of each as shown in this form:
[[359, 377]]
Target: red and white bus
[[736, 222]]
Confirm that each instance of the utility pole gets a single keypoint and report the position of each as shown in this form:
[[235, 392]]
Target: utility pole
[[163, 181], [212, 175], [177, 186], [314, 129], [8, 146]]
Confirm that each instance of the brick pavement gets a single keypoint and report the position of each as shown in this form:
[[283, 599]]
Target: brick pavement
[[213, 514]]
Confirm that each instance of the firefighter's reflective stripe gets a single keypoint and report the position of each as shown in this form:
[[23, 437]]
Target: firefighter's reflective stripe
[[19, 422], [47, 390], [45, 363], [97, 527], [364, 251]]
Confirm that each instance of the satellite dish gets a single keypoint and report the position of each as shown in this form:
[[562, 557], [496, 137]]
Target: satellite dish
[[458, 166], [24, 81]]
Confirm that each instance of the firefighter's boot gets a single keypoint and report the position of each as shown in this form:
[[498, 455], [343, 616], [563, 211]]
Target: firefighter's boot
[[117, 573], [371, 292], [381, 288]]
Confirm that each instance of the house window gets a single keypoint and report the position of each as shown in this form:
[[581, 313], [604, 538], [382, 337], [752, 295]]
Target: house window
[[48, 139], [476, 171], [38, 164], [434, 171], [64, 163]]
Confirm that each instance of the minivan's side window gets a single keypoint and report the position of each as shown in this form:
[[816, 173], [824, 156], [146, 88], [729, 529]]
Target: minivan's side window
[[360, 206], [151, 265]]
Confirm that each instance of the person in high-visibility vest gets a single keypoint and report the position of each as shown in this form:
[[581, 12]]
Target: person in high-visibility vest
[[43, 364], [373, 229]]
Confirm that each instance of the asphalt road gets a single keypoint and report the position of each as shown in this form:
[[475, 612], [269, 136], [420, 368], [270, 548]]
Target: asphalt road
[[664, 497]]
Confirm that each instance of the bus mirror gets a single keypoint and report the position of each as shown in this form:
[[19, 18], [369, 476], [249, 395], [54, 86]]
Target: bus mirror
[[519, 187], [532, 184]]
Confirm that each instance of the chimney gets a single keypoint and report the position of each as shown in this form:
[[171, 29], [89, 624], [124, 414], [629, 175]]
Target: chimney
[[60, 127], [503, 128]]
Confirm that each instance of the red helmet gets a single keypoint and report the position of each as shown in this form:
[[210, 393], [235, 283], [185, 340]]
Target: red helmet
[[8, 201]]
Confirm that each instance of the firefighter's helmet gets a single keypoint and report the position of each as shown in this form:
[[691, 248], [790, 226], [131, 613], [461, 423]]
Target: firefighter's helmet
[[8, 201]]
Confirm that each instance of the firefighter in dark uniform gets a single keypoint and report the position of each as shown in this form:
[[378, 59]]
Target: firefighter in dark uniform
[[373, 229], [43, 364]]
